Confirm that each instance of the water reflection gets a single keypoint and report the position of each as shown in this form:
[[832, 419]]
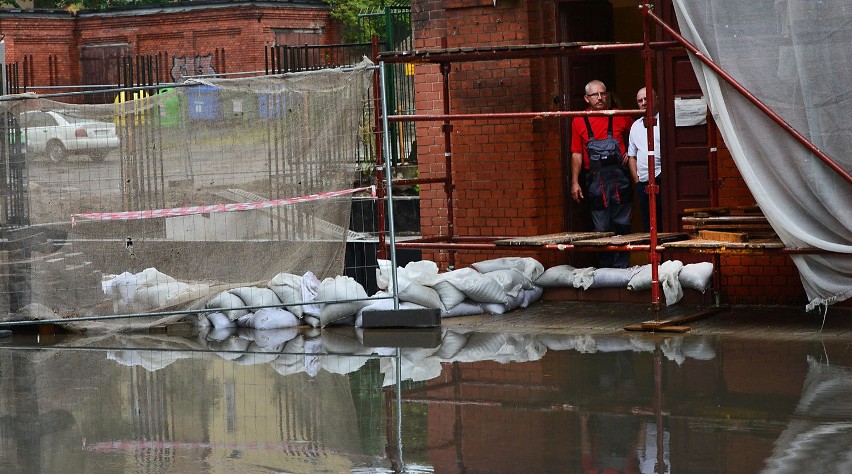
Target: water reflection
[[463, 401]]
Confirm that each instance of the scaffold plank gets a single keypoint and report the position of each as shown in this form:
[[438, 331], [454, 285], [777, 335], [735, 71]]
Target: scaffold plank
[[638, 238], [717, 244], [548, 239]]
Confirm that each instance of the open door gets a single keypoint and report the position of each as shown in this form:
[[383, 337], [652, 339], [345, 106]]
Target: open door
[[581, 20]]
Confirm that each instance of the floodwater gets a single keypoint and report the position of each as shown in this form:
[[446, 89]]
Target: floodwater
[[449, 401]]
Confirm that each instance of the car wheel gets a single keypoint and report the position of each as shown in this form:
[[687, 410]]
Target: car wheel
[[56, 152], [98, 156]]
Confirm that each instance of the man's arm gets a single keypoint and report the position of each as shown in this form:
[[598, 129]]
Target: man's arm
[[576, 164], [631, 163]]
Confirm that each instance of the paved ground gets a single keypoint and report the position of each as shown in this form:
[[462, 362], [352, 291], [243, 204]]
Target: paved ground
[[583, 317]]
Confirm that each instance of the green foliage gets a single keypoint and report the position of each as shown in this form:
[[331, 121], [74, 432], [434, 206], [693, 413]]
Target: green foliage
[[350, 12], [76, 5]]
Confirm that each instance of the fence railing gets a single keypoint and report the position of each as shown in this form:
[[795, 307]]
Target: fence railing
[[283, 58]]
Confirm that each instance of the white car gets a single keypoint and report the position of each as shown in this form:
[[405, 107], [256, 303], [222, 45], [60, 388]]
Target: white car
[[58, 134]]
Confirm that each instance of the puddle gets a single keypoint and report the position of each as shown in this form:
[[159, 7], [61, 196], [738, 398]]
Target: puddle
[[324, 401]]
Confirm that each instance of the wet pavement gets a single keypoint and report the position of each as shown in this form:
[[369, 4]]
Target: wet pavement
[[558, 387]]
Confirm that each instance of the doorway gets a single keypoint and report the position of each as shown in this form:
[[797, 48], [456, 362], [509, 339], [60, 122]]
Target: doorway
[[685, 180]]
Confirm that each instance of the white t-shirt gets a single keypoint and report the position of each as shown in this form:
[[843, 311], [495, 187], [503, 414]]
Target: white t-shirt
[[638, 146]]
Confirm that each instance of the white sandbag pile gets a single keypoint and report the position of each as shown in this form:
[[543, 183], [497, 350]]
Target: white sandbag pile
[[148, 290], [491, 286], [289, 300], [673, 276]]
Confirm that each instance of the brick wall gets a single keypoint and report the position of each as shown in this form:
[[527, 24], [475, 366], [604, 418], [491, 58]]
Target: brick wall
[[506, 172], [239, 30]]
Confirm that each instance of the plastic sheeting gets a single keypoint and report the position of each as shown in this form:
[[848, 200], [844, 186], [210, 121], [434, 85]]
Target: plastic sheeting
[[795, 56]]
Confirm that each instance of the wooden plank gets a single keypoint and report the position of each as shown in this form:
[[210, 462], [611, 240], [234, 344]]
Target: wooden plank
[[560, 238], [731, 227], [718, 211], [676, 324], [723, 236], [715, 244], [639, 238], [724, 220], [639, 327]]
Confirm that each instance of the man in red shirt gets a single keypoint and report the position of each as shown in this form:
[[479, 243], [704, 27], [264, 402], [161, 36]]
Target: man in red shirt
[[598, 147]]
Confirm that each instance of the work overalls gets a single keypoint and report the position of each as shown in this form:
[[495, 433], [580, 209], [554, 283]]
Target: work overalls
[[609, 191]]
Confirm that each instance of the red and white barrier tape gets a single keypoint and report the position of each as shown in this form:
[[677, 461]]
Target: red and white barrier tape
[[187, 211]]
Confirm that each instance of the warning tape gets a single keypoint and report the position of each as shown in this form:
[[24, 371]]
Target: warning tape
[[231, 207]]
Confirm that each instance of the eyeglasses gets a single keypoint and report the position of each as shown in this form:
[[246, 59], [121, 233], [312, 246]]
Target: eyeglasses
[[599, 95]]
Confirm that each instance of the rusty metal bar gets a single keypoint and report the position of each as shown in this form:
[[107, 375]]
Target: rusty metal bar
[[514, 52], [748, 95], [512, 115], [487, 243], [447, 128], [652, 189], [410, 181]]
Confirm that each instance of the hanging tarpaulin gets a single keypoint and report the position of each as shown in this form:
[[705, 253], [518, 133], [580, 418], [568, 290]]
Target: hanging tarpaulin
[[794, 56]]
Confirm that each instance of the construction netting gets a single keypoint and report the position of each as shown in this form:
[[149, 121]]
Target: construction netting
[[161, 200], [794, 56]]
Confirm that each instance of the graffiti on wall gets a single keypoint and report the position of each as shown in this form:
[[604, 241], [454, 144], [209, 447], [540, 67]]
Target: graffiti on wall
[[183, 66]]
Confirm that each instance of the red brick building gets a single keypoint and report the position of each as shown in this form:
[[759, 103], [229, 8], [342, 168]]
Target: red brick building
[[510, 176], [58, 48]]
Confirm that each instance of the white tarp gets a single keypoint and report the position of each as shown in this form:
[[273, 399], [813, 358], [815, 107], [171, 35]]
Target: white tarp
[[796, 57]]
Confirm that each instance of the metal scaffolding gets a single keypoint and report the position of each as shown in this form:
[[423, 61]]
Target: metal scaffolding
[[647, 48]]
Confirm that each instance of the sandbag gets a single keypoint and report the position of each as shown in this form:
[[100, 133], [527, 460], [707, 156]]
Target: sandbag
[[560, 276], [422, 272], [613, 277], [421, 295], [449, 294], [498, 308], [512, 281], [697, 276], [225, 301], [475, 285], [149, 290], [288, 288], [527, 266], [641, 280], [269, 318], [256, 297], [531, 296], [340, 297], [465, 308], [268, 338], [220, 320], [669, 272], [583, 277]]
